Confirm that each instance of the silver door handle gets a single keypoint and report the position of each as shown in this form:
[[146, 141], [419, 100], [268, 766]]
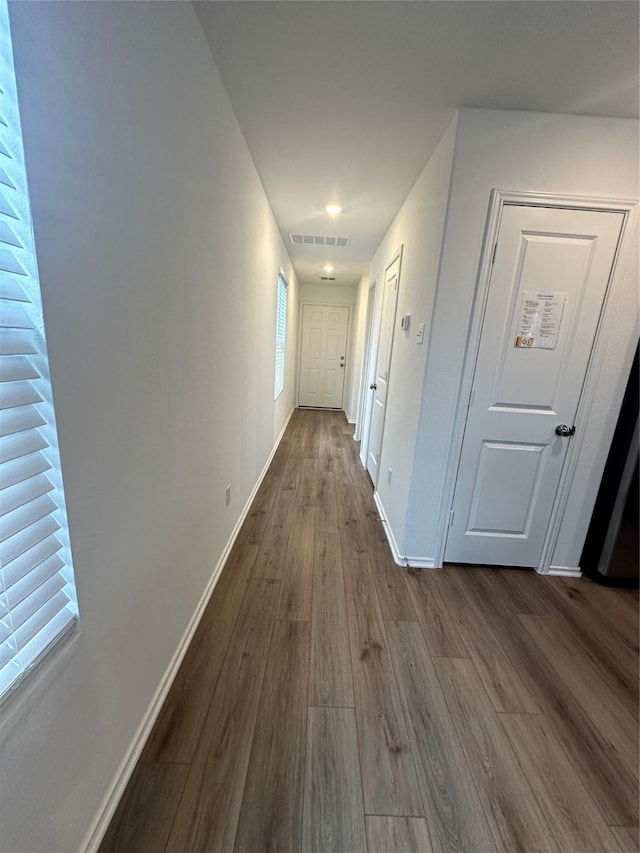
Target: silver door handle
[[563, 429]]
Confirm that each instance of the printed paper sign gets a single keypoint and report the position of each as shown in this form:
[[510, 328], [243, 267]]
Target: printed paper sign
[[540, 318]]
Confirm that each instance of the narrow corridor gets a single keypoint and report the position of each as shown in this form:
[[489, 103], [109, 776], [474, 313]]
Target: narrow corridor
[[333, 701]]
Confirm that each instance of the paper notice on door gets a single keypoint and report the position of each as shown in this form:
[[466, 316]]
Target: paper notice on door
[[540, 318]]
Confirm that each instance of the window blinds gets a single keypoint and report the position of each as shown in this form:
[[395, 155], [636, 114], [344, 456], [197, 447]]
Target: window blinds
[[37, 595], [281, 331]]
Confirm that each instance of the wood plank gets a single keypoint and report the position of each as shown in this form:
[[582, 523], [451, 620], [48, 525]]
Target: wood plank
[[208, 813], [333, 812], [143, 820], [291, 472], [501, 680], [307, 488], [330, 679], [574, 818], [502, 788], [391, 586], [609, 783], [352, 534], [327, 507], [297, 576], [272, 550], [613, 609], [454, 814], [176, 733], [280, 456], [369, 515], [439, 629], [615, 663], [327, 454], [609, 651], [599, 703], [583, 613], [523, 589], [614, 789], [271, 815], [397, 835], [343, 466], [388, 776], [628, 838], [254, 525]]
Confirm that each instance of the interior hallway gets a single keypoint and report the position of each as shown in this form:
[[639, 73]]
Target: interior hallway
[[332, 701]]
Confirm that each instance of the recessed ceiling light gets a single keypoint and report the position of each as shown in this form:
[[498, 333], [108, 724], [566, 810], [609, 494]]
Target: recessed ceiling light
[[328, 268], [333, 208]]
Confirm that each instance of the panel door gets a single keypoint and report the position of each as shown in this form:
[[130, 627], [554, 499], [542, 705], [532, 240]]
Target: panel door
[[548, 284], [380, 385], [323, 355]]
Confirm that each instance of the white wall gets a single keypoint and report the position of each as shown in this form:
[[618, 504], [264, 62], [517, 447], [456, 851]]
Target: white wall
[[418, 227], [356, 349], [158, 255], [336, 294], [533, 152]]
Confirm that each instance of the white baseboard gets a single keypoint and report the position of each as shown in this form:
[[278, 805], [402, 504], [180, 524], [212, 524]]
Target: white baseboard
[[399, 559], [565, 571], [109, 804], [421, 562]]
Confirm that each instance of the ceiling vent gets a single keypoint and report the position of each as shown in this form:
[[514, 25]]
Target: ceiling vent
[[319, 240], [328, 277]]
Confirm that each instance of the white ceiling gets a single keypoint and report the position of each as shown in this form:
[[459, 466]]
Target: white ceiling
[[347, 100]]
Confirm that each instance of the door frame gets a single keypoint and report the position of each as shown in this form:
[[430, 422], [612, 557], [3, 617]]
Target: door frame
[[299, 359], [396, 256], [498, 200], [363, 410]]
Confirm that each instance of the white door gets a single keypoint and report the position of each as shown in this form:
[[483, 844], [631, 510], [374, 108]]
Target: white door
[[323, 355], [550, 275], [380, 384]]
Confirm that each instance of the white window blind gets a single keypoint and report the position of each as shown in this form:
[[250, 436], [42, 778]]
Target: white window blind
[[37, 593], [281, 334]]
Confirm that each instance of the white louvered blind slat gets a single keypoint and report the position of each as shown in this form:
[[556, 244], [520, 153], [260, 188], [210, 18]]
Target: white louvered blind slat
[[281, 333], [37, 594], [25, 492]]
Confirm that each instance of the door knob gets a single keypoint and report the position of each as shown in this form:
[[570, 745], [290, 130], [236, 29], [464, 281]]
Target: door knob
[[341, 364], [373, 387], [563, 429]]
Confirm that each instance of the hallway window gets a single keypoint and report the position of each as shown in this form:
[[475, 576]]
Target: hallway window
[[37, 592], [281, 334]]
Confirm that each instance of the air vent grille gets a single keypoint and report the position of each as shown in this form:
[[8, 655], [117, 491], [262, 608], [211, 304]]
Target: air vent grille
[[319, 240], [328, 277]]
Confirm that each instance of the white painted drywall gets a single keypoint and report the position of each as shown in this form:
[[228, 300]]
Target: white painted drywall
[[158, 256], [531, 152], [327, 294], [418, 227], [356, 349]]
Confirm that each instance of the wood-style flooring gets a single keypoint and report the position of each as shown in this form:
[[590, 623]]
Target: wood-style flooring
[[333, 701]]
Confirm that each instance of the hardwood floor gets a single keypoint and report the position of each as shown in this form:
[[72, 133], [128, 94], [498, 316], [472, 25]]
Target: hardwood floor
[[333, 702]]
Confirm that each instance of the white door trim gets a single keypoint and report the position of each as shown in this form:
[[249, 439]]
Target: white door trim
[[346, 346], [500, 198], [396, 256]]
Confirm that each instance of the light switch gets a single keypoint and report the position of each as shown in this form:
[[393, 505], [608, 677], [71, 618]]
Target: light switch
[[420, 333], [405, 323]]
